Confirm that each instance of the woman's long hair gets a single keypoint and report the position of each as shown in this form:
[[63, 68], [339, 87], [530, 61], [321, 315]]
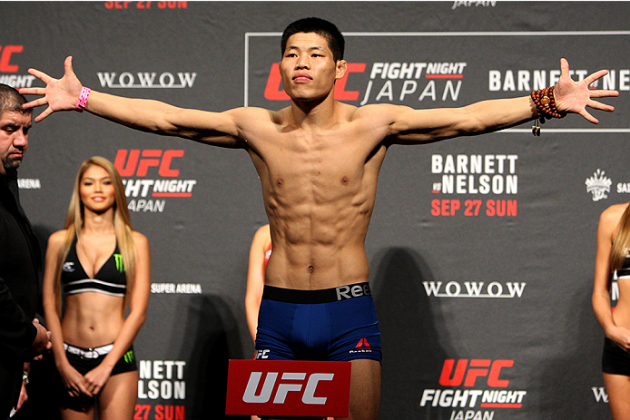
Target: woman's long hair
[[122, 223], [621, 242]]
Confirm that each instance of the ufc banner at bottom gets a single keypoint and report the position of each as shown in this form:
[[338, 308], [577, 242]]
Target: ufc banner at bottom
[[288, 388]]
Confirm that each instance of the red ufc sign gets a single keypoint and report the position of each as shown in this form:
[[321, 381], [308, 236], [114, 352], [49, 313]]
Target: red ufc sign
[[5, 58], [273, 92], [288, 388], [132, 162], [467, 373]]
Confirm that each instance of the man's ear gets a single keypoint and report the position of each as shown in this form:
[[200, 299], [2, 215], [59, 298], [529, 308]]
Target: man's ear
[[342, 67]]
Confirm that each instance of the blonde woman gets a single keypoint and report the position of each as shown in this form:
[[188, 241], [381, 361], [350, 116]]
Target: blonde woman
[[613, 246], [95, 268]]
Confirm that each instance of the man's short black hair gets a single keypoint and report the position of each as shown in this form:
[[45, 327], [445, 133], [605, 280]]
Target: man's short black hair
[[11, 100], [321, 27]]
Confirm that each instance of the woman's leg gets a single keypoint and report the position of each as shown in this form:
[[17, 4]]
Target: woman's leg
[[117, 400], [82, 411], [618, 390]]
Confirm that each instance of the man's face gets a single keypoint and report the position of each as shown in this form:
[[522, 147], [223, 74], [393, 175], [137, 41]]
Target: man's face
[[308, 69], [14, 127]]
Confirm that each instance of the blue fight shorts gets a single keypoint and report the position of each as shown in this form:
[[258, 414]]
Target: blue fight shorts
[[336, 324]]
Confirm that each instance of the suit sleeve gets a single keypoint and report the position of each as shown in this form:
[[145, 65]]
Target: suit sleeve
[[17, 331]]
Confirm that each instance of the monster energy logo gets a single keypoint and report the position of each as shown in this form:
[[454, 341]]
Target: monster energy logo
[[119, 263], [129, 356]]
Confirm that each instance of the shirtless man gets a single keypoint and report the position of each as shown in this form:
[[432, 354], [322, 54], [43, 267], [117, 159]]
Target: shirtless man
[[318, 162]]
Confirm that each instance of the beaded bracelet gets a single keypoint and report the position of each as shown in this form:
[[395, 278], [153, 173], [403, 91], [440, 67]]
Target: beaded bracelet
[[546, 103], [83, 98]]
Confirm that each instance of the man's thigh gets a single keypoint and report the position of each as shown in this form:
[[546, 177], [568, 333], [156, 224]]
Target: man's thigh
[[365, 390]]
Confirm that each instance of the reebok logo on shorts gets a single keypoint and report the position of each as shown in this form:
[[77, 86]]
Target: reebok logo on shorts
[[353, 291], [362, 347], [363, 343]]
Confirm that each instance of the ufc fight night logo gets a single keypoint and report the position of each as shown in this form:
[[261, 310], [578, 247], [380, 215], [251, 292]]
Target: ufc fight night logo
[[466, 374], [150, 175], [10, 69]]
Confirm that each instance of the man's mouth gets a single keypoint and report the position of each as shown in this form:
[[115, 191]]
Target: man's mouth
[[302, 78]]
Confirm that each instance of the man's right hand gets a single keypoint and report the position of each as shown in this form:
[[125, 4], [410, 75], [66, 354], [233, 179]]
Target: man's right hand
[[59, 94], [42, 343]]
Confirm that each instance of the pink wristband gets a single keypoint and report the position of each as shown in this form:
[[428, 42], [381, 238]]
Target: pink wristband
[[83, 98]]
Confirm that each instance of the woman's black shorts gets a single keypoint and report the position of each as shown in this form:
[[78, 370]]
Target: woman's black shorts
[[615, 360]]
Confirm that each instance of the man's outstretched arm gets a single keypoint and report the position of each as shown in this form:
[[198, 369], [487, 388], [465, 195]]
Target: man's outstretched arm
[[142, 114], [416, 126]]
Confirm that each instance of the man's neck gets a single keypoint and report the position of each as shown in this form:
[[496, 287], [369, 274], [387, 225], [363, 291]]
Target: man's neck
[[315, 113]]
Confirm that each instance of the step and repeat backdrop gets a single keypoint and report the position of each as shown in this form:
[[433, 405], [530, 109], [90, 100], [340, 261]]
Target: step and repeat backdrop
[[481, 249]]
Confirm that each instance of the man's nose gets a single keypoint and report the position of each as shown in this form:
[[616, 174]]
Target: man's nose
[[21, 139], [302, 63]]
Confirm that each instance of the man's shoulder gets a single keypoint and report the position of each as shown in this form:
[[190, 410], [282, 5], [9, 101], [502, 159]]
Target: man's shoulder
[[7, 202], [256, 115], [253, 111], [5, 193], [371, 110]]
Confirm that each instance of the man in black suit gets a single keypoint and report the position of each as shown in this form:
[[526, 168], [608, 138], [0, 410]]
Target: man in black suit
[[21, 335]]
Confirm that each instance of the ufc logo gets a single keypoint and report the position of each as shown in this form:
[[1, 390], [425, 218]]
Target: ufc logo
[[308, 395], [5, 58], [262, 354], [133, 162], [288, 388], [467, 373], [274, 92]]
